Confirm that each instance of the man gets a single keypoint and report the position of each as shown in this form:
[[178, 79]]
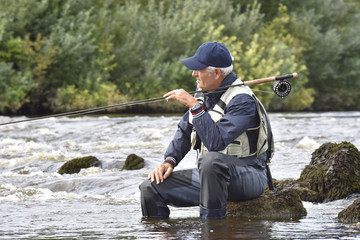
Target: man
[[227, 127]]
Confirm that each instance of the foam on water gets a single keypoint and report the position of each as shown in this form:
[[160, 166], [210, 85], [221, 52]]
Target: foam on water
[[279, 146], [119, 145], [307, 143], [91, 171], [16, 145], [44, 131], [11, 193]]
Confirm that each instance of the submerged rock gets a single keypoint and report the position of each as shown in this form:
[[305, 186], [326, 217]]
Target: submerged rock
[[133, 162], [351, 214], [281, 204], [334, 171], [75, 165]]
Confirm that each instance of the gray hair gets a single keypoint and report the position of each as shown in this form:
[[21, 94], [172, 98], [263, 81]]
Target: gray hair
[[224, 71]]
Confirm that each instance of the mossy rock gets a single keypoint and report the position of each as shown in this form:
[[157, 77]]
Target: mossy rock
[[281, 204], [302, 190], [75, 165], [334, 171], [133, 162], [351, 214]]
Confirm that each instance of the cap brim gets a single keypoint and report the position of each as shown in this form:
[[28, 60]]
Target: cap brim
[[193, 64]]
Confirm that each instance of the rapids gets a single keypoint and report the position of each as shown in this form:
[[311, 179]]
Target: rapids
[[103, 203]]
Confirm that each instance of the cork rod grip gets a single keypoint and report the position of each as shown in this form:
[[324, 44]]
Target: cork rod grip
[[270, 79]]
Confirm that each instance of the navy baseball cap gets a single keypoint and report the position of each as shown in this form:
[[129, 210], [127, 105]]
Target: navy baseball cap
[[209, 54]]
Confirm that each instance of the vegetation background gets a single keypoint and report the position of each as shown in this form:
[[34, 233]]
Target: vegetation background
[[63, 55]]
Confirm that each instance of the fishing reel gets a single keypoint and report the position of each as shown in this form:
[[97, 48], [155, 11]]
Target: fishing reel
[[282, 88]]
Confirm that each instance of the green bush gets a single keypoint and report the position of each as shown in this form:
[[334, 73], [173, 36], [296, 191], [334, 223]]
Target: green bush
[[59, 55], [13, 88], [71, 98]]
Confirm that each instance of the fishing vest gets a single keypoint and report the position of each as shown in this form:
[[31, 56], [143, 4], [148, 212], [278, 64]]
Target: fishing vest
[[241, 146]]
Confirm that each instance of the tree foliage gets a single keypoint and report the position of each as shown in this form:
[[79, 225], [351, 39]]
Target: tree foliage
[[332, 58], [63, 55], [269, 56]]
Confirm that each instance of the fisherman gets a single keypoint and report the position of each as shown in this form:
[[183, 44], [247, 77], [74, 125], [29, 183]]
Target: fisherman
[[227, 128]]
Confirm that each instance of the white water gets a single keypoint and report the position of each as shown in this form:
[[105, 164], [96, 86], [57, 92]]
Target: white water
[[38, 203]]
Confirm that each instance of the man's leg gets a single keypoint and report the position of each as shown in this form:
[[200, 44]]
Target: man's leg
[[223, 178], [247, 182], [180, 189]]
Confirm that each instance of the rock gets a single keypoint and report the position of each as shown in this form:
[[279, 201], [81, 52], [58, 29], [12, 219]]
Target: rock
[[305, 193], [351, 214], [334, 171], [75, 165], [281, 204], [133, 162]]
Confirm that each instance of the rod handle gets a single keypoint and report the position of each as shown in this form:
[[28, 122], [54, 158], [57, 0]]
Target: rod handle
[[270, 79]]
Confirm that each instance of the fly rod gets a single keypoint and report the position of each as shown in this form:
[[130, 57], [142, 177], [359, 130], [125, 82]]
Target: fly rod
[[281, 88]]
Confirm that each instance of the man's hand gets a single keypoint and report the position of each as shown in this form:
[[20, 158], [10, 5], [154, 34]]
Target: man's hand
[[161, 172], [182, 96]]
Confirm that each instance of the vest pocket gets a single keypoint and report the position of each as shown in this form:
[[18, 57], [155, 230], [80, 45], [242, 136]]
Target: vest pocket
[[238, 149]]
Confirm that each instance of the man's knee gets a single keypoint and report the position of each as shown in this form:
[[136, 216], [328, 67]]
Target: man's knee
[[210, 160], [146, 189]]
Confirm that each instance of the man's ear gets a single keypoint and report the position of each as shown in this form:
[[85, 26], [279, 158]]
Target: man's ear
[[217, 72]]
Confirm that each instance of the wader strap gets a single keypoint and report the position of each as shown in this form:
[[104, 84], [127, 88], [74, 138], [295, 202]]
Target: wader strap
[[269, 177]]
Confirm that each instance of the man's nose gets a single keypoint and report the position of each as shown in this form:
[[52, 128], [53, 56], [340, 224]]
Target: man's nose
[[194, 73]]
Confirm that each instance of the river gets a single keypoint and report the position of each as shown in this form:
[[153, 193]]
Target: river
[[103, 203]]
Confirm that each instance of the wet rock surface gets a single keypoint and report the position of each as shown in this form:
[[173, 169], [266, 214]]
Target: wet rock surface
[[334, 171], [75, 165], [281, 204], [351, 214], [134, 162]]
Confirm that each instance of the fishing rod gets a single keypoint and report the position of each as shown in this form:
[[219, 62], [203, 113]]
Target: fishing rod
[[281, 88]]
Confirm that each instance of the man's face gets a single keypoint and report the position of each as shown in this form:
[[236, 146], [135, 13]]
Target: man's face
[[207, 80]]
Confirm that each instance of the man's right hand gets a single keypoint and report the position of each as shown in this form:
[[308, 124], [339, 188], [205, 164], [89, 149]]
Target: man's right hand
[[161, 172]]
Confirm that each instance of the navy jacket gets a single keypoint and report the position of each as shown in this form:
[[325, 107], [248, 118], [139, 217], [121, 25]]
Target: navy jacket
[[240, 114]]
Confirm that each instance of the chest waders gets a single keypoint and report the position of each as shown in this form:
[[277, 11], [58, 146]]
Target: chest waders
[[253, 142]]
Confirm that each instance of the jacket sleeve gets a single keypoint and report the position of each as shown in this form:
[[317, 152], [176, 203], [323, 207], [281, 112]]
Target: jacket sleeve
[[240, 114], [181, 143]]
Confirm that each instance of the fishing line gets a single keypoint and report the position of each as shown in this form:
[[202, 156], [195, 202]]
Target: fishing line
[[258, 90], [281, 87]]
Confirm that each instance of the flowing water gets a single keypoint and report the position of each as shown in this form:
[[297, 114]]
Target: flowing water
[[103, 203]]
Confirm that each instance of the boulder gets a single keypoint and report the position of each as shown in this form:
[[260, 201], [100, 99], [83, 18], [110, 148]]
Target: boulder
[[333, 173], [75, 165], [133, 162], [351, 214], [302, 190], [283, 203]]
